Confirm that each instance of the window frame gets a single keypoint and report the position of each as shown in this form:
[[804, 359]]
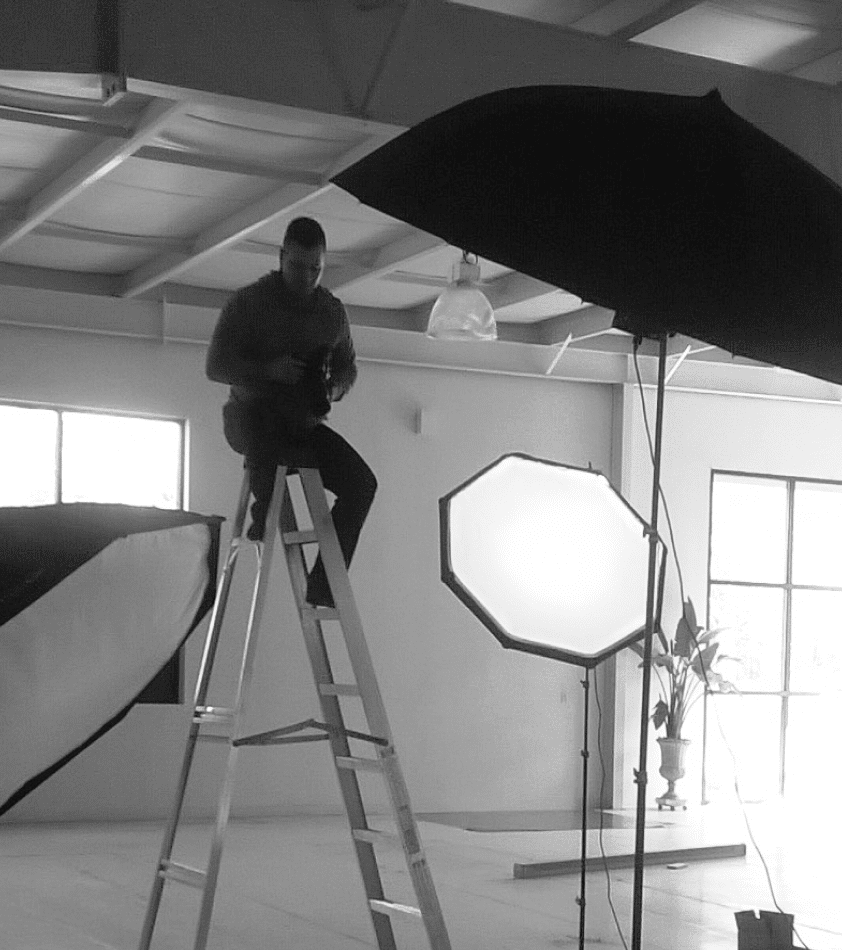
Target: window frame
[[168, 686], [787, 587]]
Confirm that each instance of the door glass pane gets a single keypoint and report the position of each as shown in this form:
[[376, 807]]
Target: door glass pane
[[817, 535], [753, 622], [816, 648], [811, 765], [748, 529], [121, 460], [28, 472], [751, 727]]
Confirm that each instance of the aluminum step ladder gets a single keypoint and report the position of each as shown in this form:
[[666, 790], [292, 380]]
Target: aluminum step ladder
[[223, 724]]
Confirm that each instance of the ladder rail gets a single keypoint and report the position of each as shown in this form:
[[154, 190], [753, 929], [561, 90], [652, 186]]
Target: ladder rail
[[221, 599], [340, 585], [332, 712], [373, 706], [281, 522], [200, 696], [243, 686]]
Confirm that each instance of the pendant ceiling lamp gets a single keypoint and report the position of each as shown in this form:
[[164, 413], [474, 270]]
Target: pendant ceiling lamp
[[462, 311]]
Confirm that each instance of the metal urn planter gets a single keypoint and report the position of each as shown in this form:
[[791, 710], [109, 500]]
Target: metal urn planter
[[672, 769]]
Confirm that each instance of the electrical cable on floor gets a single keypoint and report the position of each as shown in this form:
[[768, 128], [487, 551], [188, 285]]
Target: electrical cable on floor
[[674, 552], [602, 817]]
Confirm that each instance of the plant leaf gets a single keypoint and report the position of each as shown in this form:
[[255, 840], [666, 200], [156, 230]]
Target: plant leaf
[[659, 716], [638, 649], [690, 614], [663, 638], [703, 661], [684, 642]]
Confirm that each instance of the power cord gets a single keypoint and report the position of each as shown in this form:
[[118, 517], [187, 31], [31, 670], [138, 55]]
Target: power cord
[[674, 552]]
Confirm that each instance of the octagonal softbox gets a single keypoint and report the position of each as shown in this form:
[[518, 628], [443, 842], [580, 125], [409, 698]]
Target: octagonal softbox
[[549, 557]]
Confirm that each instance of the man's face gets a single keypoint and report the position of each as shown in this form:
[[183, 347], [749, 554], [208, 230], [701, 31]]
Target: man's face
[[302, 268]]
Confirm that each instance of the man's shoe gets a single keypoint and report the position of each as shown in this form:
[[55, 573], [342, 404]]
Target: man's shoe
[[256, 531]]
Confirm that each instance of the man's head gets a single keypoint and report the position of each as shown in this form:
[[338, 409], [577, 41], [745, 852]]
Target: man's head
[[303, 256]]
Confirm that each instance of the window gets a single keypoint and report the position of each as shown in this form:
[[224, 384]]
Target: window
[[775, 585], [62, 455]]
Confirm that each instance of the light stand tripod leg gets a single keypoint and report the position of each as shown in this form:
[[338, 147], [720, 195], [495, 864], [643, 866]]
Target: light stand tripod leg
[[586, 684], [640, 775]]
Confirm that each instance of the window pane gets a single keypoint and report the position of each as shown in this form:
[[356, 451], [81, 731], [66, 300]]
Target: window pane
[[816, 647], [808, 765], [748, 529], [753, 622], [120, 460], [817, 529], [28, 475], [752, 728]]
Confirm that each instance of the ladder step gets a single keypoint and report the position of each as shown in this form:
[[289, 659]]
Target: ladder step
[[172, 871], [395, 910], [371, 836], [216, 714], [319, 613], [354, 762], [292, 538], [213, 737], [339, 689]]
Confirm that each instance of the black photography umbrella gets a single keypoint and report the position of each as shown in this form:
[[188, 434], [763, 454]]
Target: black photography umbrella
[[673, 211]]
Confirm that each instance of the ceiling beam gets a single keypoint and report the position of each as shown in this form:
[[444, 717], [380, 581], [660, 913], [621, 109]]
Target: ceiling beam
[[624, 21], [140, 242], [62, 281], [666, 11], [174, 156], [392, 257], [826, 68], [583, 324], [72, 123], [340, 261], [87, 171], [514, 288], [288, 200]]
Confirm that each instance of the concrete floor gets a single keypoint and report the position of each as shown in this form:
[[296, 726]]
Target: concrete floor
[[293, 884]]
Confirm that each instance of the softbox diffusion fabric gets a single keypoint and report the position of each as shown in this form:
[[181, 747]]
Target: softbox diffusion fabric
[[94, 601]]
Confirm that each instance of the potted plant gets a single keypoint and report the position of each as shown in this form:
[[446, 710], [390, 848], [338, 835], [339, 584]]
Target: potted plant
[[685, 668]]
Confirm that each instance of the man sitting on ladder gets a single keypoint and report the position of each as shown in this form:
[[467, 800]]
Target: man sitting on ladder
[[283, 344]]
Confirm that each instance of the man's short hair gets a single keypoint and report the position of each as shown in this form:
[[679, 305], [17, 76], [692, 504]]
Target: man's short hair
[[306, 233]]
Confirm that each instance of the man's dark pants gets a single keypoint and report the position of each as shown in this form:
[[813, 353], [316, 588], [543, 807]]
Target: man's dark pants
[[267, 439]]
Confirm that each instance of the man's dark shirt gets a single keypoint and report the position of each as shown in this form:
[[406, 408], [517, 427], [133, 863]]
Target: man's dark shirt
[[264, 321]]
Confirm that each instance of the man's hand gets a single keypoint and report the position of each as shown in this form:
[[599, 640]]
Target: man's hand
[[285, 369]]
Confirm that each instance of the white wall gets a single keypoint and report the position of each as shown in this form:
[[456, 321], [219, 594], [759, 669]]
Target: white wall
[[477, 727], [702, 432]]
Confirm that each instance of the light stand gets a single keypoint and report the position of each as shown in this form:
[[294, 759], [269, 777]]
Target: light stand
[[510, 531], [581, 900], [640, 774]]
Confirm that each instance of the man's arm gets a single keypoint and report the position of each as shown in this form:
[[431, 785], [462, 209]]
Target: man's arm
[[225, 362], [343, 363]]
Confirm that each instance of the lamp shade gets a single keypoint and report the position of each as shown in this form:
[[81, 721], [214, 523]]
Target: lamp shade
[[462, 311], [549, 557]]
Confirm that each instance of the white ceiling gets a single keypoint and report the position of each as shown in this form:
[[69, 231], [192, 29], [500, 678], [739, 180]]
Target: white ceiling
[[175, 203]]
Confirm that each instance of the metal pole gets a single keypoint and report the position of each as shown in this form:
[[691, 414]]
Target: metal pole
[[586, 683], [640, 774]]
